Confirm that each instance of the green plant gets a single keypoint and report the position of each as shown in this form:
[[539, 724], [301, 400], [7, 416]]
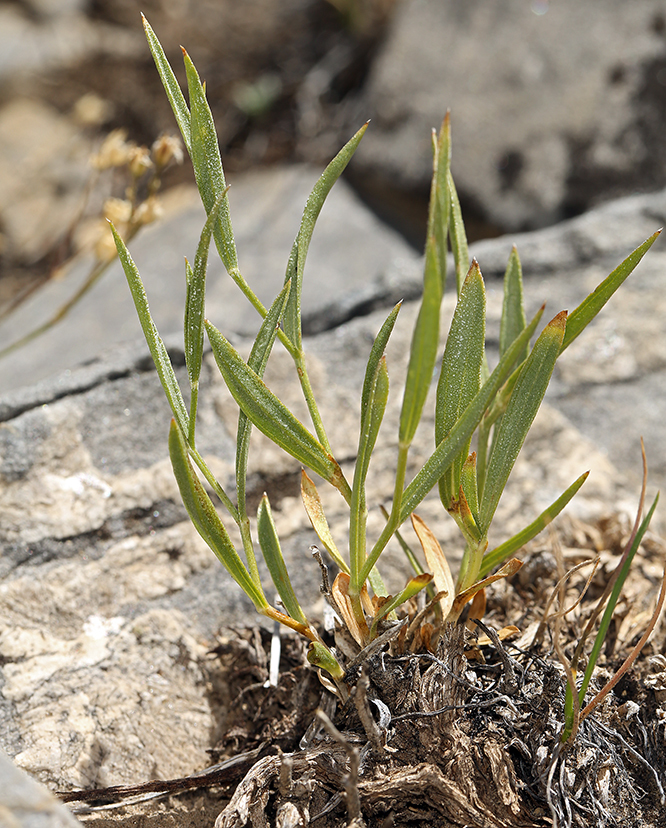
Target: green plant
[[498, 406]]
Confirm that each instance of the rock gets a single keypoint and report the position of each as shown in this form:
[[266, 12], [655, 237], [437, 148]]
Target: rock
[[109, 601], [554, 105], [352, 274], [25, 804], [108, 598]]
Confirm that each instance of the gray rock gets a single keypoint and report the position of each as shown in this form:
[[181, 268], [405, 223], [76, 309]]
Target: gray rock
[[109, 601], [352, 274], [554, 105], [25, 804]]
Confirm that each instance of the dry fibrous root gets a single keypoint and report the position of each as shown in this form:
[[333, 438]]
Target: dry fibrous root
[[434, 739]]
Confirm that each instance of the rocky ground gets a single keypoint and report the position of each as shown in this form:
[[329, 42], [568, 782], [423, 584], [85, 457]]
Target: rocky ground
[[109, 603]]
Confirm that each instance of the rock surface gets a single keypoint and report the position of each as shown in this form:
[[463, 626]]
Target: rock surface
[[351, 273], [554, 105], [109, 601]]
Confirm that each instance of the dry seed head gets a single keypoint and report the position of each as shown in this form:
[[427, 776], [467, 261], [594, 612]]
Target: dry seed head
[[114, 152], [139, 161], [105, 247], [167, 148], [117, 210], [148, 211]]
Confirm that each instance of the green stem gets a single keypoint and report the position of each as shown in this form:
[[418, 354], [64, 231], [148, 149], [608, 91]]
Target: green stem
[[215, 486], [308, 393], [392, 523], [194, 402]]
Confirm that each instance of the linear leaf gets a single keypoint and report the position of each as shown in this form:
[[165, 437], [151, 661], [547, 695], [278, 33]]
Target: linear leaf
[[500, 553], [457, 236], [207, 163], [449, 448], [413, 587], [270, 546], [513, 307], [206, 520], [195, 298], [425, 339], [520, 413], [261, 349], [155, 344], [590, 307], [270, 415], [299, 251], [460, 374], [170, 84], [370, 424]]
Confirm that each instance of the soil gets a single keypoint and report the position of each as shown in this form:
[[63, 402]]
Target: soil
[[449, 731]]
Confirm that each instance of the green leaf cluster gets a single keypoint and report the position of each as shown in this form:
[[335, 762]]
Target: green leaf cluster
[[496, 408]]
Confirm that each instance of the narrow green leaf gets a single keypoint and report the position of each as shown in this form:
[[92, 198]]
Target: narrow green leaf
[[257, 360], [590, 307], [206, 520], [520, 413], [195, 298], [513, 307], [207, 163], [270, 546], [425, 339], [457, 236], [370, 424], [613, 599], [270, 416], [171, 85], [155, 344], [449, 448], [460, 374], [299, 251], [505, 550], [414, 586]]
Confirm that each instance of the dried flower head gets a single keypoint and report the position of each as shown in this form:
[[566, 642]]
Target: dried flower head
[[114, 152], [148, 211], [167, 148], [117, 210], [139, 161]]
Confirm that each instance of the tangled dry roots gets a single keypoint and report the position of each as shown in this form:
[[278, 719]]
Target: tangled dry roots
[[432, 739]]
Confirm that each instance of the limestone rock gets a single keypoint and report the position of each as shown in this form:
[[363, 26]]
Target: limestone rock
[[554, 105]]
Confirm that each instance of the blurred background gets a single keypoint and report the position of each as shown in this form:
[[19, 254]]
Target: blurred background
[[556, 106]]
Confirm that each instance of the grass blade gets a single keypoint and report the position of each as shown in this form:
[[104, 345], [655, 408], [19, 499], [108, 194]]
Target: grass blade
[[414, 586], [299, 251], [170, 84], [520, 413], [513, 307], [590, 307], [457, 236], [207, 163], [425, 339], [206, 520], [445, 453], [154, 340], [370, 425], [270, 416], [257, 360], [460, 374], [500, 553], [270, 546]]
